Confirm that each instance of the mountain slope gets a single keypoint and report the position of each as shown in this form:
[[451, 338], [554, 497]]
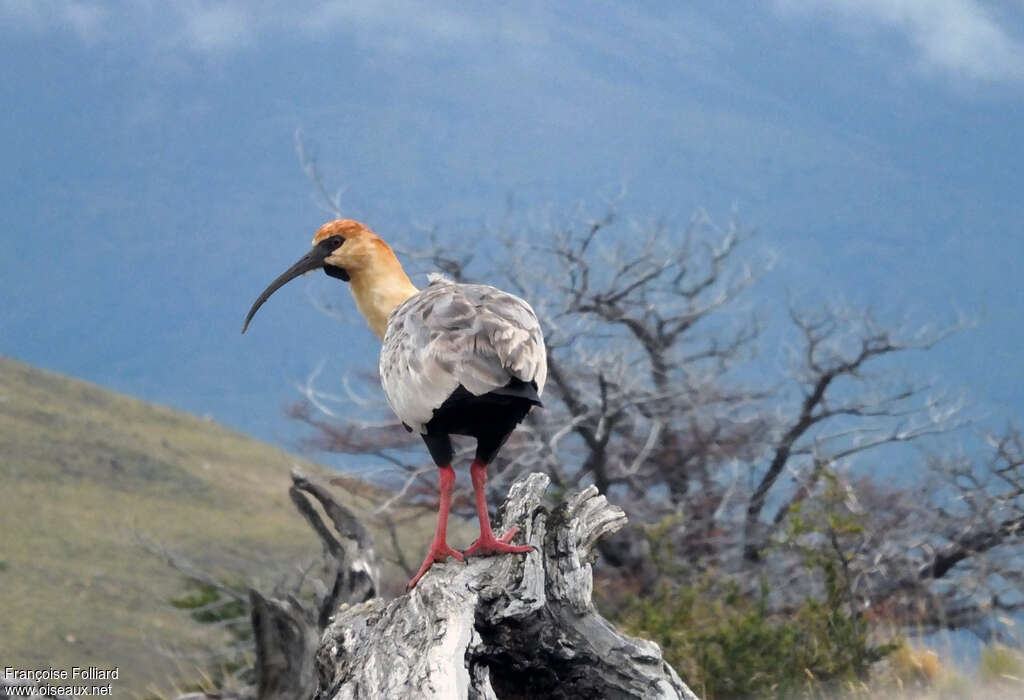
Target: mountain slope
[[85, 476]]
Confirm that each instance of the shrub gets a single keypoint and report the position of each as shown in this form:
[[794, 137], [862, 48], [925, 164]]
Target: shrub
[[1001, 664], [729, 645]]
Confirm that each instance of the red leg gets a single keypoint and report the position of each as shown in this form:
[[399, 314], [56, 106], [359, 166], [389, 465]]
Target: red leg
[[439, 549], [487, 543]]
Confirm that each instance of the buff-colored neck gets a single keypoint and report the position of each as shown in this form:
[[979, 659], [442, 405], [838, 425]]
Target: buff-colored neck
[[378, 289]]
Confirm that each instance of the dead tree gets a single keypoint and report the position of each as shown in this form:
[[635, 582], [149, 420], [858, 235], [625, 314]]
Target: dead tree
[[643, 400], [943, 554], [286, 631], [636, 401], [287, 623], [504, 627], [655, 396]]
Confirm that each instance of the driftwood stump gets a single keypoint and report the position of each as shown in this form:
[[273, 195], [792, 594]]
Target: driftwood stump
[[512, 626]]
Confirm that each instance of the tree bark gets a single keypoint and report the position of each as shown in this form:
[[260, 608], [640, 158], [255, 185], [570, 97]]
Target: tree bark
[[510, 626], [285, 636], [286, 630]]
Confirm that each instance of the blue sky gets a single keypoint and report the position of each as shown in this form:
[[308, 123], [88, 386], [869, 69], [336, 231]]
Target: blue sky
[[151, 187]]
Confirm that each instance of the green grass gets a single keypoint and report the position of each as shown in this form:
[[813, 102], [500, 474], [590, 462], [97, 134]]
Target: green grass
[[1002, 664], [84, 473]]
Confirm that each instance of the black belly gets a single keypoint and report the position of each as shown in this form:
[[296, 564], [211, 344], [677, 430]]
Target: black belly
[[490, 418]]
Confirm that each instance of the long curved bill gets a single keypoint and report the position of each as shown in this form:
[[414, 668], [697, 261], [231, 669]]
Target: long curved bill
[[313, 260]]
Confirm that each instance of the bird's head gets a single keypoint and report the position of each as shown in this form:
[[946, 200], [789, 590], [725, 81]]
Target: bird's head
[[344, 249], [352, 249]]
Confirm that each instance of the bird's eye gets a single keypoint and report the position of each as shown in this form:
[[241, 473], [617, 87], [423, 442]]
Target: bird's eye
[[335, 242]]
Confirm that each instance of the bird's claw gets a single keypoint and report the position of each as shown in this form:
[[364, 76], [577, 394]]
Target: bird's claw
[[485, 546], [439, 551]]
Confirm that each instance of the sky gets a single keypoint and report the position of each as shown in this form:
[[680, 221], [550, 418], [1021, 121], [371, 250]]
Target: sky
[[151, 187]]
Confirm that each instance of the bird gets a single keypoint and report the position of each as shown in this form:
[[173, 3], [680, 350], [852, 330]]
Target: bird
[[456, 359]]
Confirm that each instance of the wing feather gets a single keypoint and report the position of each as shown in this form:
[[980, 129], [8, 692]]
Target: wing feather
[[451, 334]]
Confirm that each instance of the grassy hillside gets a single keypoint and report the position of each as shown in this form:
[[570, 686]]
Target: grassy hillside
[[84, 473]]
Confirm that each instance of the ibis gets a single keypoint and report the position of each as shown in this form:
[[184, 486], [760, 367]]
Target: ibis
[[456, 359]]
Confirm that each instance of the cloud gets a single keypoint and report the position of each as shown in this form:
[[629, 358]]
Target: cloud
[[204, 27], [217, 27], [84, 19], [964, 39], [968, 40]]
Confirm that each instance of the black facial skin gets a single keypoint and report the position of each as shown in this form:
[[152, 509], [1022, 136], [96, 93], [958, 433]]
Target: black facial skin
[[310, 261], [337, 272], [332, 244]]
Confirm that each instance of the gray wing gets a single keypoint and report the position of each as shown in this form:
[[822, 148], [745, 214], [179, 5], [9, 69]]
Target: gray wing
[[451, 334]]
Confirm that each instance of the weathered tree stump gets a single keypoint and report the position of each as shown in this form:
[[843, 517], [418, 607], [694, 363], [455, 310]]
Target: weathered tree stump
[[511, 626], [285, 630]]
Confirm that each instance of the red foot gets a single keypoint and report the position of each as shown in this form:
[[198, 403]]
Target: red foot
[[439, 551], [487, 545]]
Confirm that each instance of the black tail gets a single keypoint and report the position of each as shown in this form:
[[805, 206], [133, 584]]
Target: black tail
[[520, 389], [490, 418]]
